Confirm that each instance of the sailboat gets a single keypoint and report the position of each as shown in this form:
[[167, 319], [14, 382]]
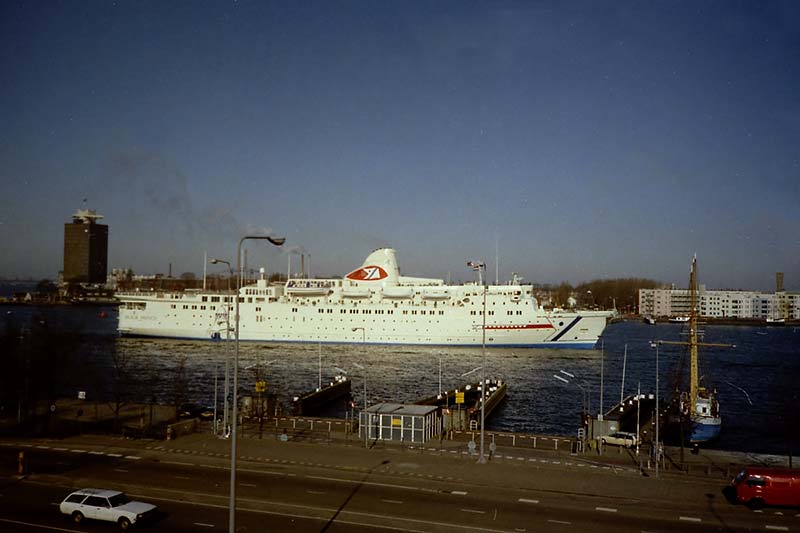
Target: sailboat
[[698, 408]]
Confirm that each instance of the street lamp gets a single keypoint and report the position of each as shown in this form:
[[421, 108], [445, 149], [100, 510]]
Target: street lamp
[[655, 344], [366, 425], [215, 261], [481, 267], [277, 241], [585, 399]]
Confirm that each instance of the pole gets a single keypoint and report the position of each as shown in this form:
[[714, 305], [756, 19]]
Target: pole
[[624, 363], [215, 399], [482, 458], [234, 415], [658, 409], [638, 412], [602, 357], [440, 374]]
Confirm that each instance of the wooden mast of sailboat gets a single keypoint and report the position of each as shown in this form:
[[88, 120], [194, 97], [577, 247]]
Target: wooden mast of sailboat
[[694, 377]]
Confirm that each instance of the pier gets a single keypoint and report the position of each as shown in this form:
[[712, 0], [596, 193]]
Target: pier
[[461, 407], [315, 401]]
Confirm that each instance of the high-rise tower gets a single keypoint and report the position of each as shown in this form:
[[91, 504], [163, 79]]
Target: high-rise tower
[[85, 248]]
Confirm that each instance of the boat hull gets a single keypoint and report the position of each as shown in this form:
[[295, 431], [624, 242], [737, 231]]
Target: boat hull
[[705, 429]]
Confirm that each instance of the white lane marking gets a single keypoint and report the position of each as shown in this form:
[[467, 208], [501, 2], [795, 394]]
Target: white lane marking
[[247, 484], [120, 470], [78, 451], [560, 522], [314, 491], [526, 500], [96, 453], [605, 509], [391, 501], [375, 484], [778, 528], [134, 457], [177, 463], [201, 524], [476, 511], [114, 454], [61, 449], [689, 519], [43, 447], [39, 526], [778, 513], [458, 493]]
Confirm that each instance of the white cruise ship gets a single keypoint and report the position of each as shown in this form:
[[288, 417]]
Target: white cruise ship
[[373, 304]]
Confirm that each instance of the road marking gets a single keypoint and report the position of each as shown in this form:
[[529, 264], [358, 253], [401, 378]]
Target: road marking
[[605, 509], [177, 463], [458, 493], [61, 449], [778, 528], [689, 519], [96, 453], [476, 511], [526, 500], [43, 447], [39, 526], [247, 484], [314, 491], [201, 524], [78, 451], [120, 470], [560, 522], [114, 454], [134, 457], [391, 501]]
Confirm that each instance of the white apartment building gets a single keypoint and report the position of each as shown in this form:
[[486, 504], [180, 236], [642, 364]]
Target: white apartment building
[[720, 304]]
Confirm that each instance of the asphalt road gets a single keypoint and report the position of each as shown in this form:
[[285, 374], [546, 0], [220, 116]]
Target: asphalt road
[[192, 495]]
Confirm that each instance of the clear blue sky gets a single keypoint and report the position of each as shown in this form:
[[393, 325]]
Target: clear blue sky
[[588, 139]]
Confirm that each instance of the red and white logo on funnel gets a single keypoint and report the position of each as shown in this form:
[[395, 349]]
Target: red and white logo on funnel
[[368, 273]]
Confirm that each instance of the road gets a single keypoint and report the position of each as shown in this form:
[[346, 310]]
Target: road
[[192, 495]]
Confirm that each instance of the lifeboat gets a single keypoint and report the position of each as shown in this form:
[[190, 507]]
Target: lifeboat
[[355, 292], [431, 294], [398, 292]]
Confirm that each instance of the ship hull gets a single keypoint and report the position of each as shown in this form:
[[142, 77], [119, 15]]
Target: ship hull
[[705, 429]]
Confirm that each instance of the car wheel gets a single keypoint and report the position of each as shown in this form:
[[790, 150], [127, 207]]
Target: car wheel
[[124, 523], [77, 517], [755, 503]]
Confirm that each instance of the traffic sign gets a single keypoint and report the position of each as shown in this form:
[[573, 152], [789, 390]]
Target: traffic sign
[[459, 397], [261, 386]]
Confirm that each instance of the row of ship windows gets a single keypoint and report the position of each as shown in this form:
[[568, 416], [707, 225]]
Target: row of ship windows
[[370, 311]]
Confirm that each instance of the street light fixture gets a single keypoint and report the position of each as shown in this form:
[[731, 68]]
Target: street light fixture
[[215, 261], [277, 241]]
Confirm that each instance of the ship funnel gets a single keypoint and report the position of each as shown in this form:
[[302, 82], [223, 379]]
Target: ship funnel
[[380, 266]]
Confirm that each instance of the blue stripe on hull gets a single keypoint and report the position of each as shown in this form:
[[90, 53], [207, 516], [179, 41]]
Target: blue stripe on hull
[[703, 431], [555, 345]]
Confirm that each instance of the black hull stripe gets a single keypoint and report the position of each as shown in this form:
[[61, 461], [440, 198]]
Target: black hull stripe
[[566, 329]]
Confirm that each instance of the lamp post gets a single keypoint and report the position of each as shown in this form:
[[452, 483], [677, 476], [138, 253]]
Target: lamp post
[[480, 267], [658, 407], [366, 425], [215, 261], [277, 241], [585, 400]]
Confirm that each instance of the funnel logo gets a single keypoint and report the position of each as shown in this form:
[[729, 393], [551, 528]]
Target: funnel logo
[[368, 273]]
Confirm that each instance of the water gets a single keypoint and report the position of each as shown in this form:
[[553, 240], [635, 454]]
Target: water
[[756, 380]]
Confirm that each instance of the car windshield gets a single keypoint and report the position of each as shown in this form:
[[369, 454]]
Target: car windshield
[[119, 499]]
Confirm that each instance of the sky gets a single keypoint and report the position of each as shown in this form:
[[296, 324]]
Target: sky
[[571, 140]]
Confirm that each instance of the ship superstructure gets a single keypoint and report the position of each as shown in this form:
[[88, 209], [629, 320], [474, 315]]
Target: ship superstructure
[[373, 304]]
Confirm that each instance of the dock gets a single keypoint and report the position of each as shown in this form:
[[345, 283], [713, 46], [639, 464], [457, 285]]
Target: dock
[[316, 400], [461, 407]]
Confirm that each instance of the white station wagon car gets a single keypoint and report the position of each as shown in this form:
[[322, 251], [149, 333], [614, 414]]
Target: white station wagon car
[[109, 505], [620, 438]]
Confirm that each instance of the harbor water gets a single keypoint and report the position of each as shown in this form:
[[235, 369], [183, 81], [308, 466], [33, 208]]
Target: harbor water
[[756, 379]]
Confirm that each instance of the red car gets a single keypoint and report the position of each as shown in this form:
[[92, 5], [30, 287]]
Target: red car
[[757, 486]]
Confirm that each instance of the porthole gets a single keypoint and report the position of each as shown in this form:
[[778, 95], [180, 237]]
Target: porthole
[[560, 324]]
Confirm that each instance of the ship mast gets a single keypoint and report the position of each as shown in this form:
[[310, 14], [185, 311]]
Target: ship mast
[[694, 379]]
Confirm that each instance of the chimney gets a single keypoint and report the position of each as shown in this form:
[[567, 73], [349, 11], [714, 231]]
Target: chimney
[[778, 281]]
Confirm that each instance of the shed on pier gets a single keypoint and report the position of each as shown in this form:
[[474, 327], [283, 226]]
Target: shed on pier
[[400, 422]]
